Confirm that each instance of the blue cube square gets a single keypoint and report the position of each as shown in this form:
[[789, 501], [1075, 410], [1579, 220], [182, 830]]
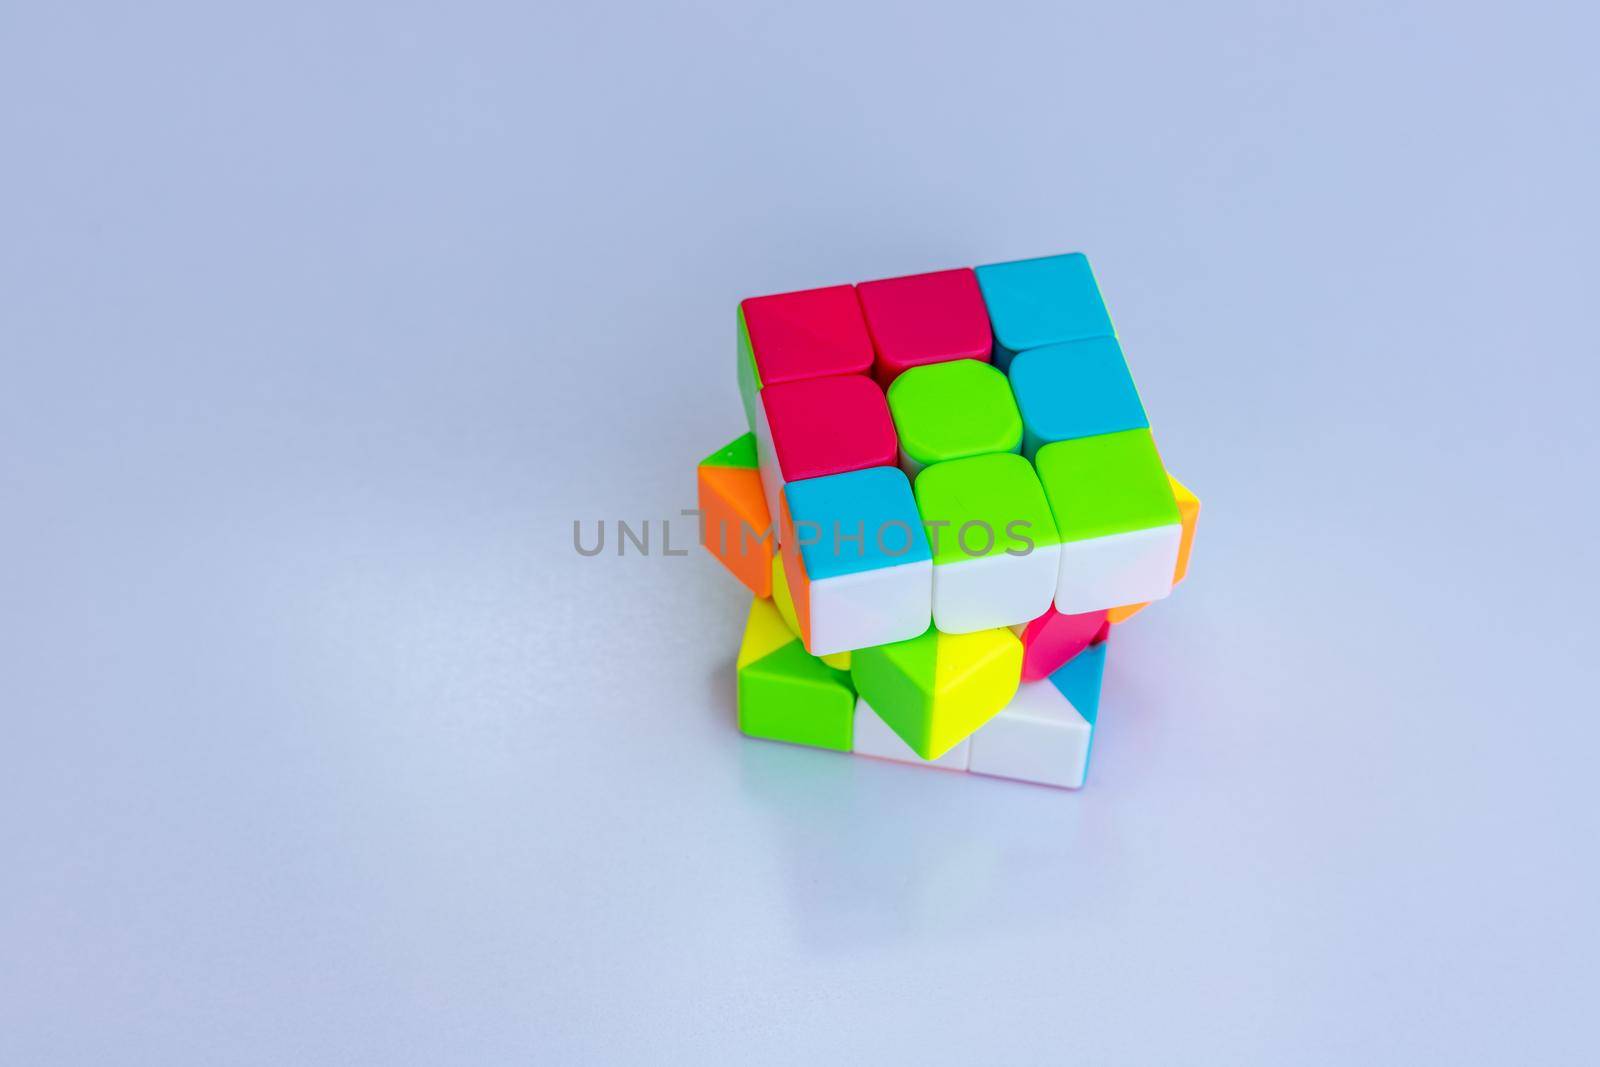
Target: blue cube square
[[856, 559], [1035, 302], [1074, 390]]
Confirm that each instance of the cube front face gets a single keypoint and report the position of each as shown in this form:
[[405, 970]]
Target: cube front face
[[996, 557], [1079, 389], [859, 568], [733, 513], [924, 319], [1044, 301], [822, 426], [951, 411]]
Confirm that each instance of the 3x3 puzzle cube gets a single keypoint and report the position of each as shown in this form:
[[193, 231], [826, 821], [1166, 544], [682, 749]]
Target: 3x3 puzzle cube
[[947, 497]]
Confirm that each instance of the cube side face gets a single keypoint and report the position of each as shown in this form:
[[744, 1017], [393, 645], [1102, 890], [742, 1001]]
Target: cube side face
[[1044, 301], [746, 374], [764, 633], [871, 607], [924, 319], [897, 679], [1052, 639], [826, 426], [1079, 680], [873, 737], [732, 506], [1189, 515], [812, 333], [1078, 389], [953, 410], [767, 459], [791, 696], [1126, 612], [1109, 484], [975, 675], [781, 597], [797, 582], [1039, 737], [993, 591], [1119, 569]]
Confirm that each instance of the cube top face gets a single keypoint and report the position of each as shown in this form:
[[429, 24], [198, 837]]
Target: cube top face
[[853, 522], [1045, 301], [825, 426], [808, 334], [740, 453], [923, 319], [1000, 493], [1077, 389], [1110, 484], [953, 410]]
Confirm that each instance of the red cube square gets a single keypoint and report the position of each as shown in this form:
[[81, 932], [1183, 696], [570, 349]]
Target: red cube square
[[808, 334], [925, 318], [822, 426]]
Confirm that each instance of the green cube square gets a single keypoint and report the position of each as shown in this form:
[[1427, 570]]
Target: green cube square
[[996, 553], [1108, 484], [996, 499], [947, 411], [787, 694]]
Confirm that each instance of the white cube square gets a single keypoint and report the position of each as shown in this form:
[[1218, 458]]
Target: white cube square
[[873, 737], [986, 592], [871, 607], [1125, 568], [1046, 733], [858, 565]]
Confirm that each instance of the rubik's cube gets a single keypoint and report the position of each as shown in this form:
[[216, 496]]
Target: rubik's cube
[[947, 497]]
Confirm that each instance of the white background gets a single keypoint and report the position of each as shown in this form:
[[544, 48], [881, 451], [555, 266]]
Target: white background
[[322, 323]]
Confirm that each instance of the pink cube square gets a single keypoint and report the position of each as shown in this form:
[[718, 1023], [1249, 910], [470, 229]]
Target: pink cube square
[[924, 318], [829, 426], [1052, 639], [807, 334]]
